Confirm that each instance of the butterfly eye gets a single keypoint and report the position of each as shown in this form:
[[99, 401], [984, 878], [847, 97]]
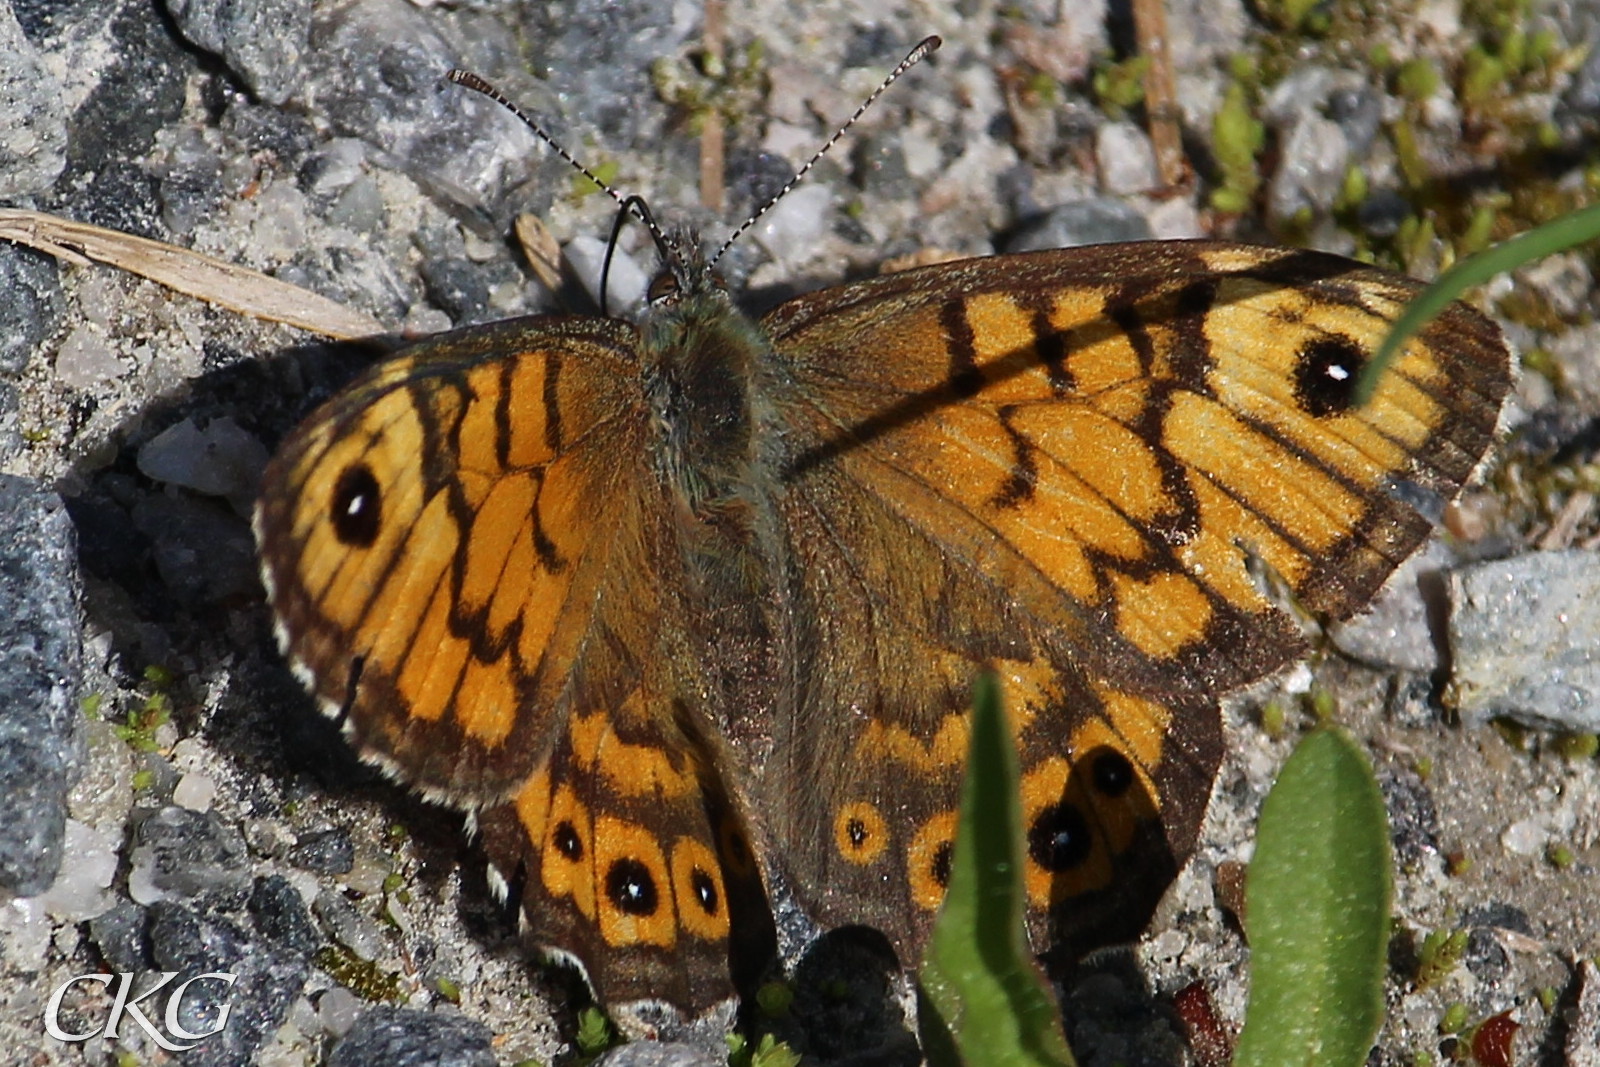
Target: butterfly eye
[[663, 288]]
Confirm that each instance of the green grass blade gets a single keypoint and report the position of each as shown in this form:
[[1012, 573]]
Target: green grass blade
[[1317, 906], [983, 1000], [1558, 235]]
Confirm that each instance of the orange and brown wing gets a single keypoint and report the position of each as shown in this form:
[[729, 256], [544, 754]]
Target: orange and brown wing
[[471, 562], [1062, 464], [632, 860], [432, 541]]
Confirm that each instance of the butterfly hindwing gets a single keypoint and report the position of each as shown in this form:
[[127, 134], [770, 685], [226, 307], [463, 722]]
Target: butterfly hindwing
[[473, 562], [632, 860], [1114, 784]]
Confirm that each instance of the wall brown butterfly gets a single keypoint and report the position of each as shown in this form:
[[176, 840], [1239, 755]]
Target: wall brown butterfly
[[676, 607]]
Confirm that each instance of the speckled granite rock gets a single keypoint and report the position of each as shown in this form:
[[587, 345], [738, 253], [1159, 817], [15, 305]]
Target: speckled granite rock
[[41, 661], [396, 1037]]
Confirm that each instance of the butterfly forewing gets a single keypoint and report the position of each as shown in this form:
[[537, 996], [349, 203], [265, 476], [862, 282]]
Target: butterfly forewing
[[432, 546]]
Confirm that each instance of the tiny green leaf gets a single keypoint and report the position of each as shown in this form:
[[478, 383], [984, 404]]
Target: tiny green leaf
[[1318, 899], [982, 997], [595, 1033]]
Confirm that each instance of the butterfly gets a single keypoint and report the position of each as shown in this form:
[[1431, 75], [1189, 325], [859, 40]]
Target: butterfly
[[683, 610], [679, 607]]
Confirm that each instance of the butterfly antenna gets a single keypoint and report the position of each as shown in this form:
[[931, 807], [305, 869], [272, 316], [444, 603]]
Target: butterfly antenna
[[635, 206], [927, 47], [630, 205]]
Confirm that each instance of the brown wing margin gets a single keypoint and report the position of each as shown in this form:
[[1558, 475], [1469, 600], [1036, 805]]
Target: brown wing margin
[[430, 537]]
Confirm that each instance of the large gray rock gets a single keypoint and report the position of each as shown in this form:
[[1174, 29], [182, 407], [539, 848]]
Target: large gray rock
[[40, 664]]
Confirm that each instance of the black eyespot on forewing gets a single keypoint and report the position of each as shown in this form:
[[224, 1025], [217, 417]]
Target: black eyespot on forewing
[[1325, 375], [356, 509], [941, 864], [631, 888]]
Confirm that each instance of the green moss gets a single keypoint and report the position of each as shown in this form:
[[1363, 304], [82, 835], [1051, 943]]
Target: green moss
[[768, 1052], [1415, 244], [1559, 856], [1353, 191], [1237, 138], [1413, 168], [362, 977], [1291, 14], [1577, 746], [595, 1033], [1439, 954], [1512, 733], [1527, 306], [1043, 90], [1322, 704], [1454, 1020], [1482, 76], [606, 170], [139, 730], [704, 82], [775, 999], [1274, 719], [1119, 87], [1479, 231], [1417, 79]]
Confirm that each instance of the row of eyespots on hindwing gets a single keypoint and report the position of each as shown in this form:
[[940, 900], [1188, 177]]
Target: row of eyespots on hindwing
[[637, 886], [1077, 819]]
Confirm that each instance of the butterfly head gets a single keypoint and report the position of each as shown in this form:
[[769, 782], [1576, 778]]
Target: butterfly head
[[684, 276]]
